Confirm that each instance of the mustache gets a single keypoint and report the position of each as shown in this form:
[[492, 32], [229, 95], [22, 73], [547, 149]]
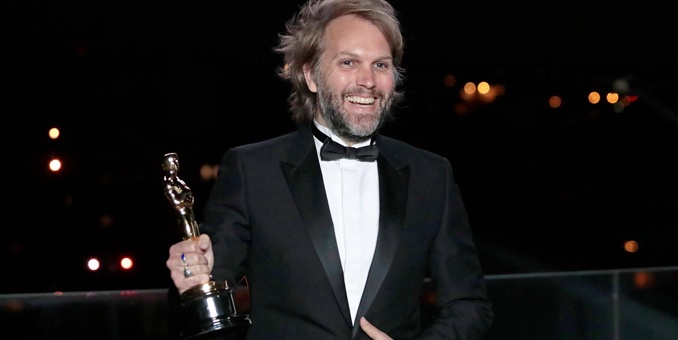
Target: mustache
[[361, 91]]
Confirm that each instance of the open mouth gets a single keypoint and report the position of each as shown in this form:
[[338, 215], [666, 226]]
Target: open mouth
[[361, 100]]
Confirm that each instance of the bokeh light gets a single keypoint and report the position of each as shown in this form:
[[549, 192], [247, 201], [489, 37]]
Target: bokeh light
[[483, 87], [93, 264], [126, 263], [594, 97], [631, 246], [55, 165], [449, 80], [54, 133], [555, 102], [469, 88]]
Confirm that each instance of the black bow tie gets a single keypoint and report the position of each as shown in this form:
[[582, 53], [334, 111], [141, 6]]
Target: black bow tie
[[332, 150]]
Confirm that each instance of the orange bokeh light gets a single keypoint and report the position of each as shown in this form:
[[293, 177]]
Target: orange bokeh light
[[631, 246], [555, 102]]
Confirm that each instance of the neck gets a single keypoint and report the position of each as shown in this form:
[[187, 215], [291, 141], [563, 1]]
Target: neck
[[348, 140]]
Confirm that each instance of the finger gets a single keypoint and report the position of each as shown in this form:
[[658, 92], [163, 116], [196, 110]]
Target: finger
[[367, 327], [178, 261], [193, 259], [181, 272], [184, 283], [372, 331], [196, 269], [174, 261], [186, 246], [204, 242]]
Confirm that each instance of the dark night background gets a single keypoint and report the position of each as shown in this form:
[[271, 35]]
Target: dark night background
[[126, 82]]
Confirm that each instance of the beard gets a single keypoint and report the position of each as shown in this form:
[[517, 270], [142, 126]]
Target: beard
[[352, 128]]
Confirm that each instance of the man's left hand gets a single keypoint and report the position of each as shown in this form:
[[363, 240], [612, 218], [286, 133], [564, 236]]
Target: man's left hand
[[372, 331]]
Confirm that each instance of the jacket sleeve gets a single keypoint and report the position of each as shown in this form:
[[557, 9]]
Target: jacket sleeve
[[463, 308], [226, 220]]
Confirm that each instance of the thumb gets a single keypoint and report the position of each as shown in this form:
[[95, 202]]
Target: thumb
[[204, 242], [205, 245], [372, 331]]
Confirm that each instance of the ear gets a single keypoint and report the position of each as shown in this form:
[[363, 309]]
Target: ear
[[308, 75]]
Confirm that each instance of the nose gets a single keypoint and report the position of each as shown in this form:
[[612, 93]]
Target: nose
[[366, 77]]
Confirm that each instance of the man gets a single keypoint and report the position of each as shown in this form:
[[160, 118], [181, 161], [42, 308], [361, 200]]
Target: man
[[338, 248]]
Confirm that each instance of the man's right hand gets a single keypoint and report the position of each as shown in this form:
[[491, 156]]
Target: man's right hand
[[199, 258]]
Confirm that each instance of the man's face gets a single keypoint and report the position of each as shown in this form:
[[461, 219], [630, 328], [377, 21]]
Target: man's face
[[355, 79]]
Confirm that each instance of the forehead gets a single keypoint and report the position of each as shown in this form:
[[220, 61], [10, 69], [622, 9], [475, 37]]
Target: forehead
[[352, 34]]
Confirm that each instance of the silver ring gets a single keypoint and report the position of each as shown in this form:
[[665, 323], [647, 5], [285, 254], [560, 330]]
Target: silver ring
[[187, 272]]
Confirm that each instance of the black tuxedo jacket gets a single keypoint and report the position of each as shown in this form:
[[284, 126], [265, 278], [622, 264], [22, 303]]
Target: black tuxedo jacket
[[269, 219]]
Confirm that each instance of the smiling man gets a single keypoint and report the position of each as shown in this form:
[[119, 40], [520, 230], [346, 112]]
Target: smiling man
[[335, 226], [353, 78]]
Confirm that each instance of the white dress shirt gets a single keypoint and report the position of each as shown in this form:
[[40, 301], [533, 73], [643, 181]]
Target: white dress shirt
[[352, 189]]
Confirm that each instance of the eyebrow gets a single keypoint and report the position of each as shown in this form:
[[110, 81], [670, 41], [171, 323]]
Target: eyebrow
[[353, 55]]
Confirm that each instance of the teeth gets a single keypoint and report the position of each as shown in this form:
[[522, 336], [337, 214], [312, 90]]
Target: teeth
[[360, 100]]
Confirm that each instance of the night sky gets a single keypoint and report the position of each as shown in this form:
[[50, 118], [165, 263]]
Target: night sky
[[545, 189]]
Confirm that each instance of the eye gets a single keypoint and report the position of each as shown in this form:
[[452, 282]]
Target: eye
[[347, 63], [382, 66]]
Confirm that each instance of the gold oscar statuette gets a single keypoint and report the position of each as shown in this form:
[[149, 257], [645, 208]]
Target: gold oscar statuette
[[208, 309]]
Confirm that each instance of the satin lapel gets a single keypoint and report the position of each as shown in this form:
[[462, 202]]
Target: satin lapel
[[393, 181], [304, 179]]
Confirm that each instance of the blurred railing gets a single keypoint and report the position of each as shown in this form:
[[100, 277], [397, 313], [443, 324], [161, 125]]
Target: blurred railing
[[610, 304]]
